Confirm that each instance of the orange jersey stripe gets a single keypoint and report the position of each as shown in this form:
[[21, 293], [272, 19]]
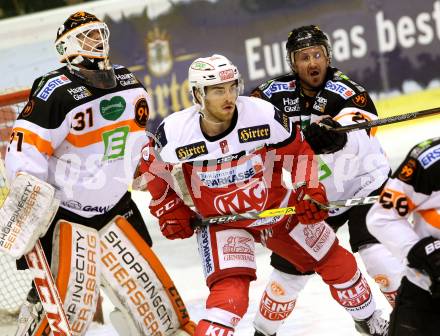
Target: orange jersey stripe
[[431, 216], [35, 140], [90, 138]]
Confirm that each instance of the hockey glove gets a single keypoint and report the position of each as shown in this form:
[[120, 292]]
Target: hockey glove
[[322, 139], [425, 256], [174, 218], [306, 211]]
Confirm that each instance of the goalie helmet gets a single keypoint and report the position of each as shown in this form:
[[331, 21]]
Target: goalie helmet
[[206, 71], [83, 43], [305, 37]]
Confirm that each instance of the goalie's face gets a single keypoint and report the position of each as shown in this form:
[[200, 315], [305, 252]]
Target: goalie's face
[[92, 40], [220, 101]]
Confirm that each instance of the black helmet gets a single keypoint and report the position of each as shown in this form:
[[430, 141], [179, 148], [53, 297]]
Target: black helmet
[[307, 36]]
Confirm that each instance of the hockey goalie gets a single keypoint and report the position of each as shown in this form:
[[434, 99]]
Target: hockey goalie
[[73, 142]]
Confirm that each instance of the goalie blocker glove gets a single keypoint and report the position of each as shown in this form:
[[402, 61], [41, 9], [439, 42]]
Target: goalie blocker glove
[[425, 256], [322, 139]]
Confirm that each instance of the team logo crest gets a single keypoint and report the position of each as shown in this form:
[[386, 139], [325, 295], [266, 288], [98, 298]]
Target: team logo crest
[[159, 56], [251, 197], [27, 110], [141, 112], [408, 170]]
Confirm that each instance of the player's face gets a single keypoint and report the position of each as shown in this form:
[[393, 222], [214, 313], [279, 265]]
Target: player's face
[[220, 101], [311, 66]]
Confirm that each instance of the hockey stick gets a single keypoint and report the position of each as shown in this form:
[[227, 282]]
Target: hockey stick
[[47, 291], [43, 279], [287, 211], [386, 121], [345, 203]]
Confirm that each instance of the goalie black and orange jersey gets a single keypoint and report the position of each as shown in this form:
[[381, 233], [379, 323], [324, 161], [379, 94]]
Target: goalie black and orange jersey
[[81, 139]]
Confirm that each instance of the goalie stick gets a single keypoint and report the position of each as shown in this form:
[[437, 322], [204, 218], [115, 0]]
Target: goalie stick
[[43, 279], [279, 212], [386, 121]]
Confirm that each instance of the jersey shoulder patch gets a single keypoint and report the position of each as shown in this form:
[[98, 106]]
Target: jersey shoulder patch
[[428, 152], [277, 84], [421, 157], [48, 85]]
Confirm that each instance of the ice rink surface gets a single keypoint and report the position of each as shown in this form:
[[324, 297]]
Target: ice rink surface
[[316, 313]]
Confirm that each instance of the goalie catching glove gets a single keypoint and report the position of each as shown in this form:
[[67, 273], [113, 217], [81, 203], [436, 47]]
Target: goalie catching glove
[[26, 214], [425, 256], [306, 210], [322, 139]]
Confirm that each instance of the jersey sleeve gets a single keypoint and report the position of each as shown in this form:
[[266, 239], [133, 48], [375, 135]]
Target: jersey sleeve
[[358, 109], [408, 191], [156, 173], [39, 129]]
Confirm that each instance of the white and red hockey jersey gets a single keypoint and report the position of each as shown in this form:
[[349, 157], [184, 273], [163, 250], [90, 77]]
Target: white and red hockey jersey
[[82, 140], [239, 170], [409, 207]]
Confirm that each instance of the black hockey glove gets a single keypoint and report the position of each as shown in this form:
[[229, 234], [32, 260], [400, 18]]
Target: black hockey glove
[[322, 139], [425, 256]]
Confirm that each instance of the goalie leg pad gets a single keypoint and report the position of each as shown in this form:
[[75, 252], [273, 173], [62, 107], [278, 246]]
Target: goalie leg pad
[[26, 214], [75, 267], [137, 283], [75, 261]]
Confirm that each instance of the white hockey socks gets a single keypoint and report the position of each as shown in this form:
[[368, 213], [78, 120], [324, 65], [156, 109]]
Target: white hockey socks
[[278, 301], [355, 296], [384, 268]]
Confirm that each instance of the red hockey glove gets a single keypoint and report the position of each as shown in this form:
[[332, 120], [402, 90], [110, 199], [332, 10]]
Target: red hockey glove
[[174, 217], [306, 211]]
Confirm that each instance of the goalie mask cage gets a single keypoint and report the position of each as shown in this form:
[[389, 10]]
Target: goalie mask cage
[[14, 285]]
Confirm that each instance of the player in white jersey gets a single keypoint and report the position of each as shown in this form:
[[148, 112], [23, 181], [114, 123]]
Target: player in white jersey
[[407, 221], [81, 131], [317, 97], [225, 155]]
